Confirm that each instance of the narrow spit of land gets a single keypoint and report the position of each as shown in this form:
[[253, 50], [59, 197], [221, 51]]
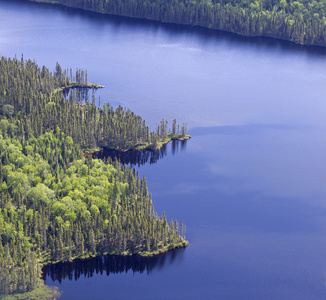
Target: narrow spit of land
[[77, 85]]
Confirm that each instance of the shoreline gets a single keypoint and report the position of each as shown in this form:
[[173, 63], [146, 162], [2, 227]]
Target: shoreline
[[45, 291], [138, 147], [210, 26], [142, 254]]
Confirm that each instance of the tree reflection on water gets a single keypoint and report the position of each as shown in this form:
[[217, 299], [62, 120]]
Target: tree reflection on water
[[109, 264]]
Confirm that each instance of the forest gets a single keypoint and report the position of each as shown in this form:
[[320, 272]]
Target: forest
[[301, 22], [57, 204], [31, 97]]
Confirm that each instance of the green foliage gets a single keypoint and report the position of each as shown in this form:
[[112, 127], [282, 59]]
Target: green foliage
[[81, 210], [32, 104], [55, 203]]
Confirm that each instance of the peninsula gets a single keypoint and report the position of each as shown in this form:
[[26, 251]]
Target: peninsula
[[57, 205]]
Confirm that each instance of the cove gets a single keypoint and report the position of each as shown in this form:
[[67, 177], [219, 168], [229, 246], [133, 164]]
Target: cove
[[249, 185]]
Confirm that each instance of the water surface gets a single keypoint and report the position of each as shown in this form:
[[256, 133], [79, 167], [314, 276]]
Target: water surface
[[250, 185]]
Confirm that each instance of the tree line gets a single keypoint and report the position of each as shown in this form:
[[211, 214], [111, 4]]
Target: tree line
[[301, 21], [55, 203]]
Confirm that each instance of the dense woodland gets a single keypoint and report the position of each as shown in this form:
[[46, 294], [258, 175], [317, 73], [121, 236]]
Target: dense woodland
[[301, 21], [31, 97], [55, 203]]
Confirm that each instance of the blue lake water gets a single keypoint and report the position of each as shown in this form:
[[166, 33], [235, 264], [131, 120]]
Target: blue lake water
[[251, 183]]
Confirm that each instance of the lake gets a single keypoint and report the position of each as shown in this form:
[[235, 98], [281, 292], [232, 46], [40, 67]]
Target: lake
[[251, 183]]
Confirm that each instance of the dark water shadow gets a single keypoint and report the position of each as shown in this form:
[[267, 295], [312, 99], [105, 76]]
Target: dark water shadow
[[110, 264], [177, 30], [139, 158]]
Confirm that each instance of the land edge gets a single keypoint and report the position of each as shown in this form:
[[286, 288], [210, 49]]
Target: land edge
[[139, 146], [271, 36], [151, 146], [142, 254]]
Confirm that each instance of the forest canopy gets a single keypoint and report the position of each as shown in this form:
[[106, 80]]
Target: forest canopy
[[57, 204]]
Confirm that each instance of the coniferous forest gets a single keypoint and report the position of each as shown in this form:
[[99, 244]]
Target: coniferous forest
[[302, 22], [56, 203]]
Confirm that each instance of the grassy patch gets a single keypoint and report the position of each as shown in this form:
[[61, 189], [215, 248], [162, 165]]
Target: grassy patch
[[42, 292]]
